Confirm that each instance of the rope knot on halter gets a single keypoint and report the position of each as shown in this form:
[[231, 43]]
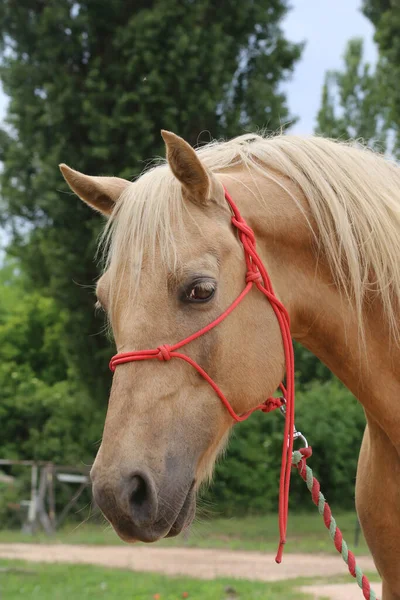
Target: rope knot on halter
[[272, 404], [164, 352], [253, 276], [242, 226]]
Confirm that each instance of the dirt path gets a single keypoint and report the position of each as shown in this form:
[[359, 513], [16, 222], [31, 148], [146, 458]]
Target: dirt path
[[340, 591], [194, 562]]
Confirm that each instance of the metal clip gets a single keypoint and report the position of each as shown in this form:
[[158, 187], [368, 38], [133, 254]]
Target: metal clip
[[297, 435]]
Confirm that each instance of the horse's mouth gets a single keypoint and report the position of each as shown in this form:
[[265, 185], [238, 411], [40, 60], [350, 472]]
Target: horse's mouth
[[160, 528], [186, 514]]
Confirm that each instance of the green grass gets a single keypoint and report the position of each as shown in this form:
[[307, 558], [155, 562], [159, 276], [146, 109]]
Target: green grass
[[81, 582], [306, 533]]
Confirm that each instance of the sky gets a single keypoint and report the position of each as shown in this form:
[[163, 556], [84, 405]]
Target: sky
[[326, 26]]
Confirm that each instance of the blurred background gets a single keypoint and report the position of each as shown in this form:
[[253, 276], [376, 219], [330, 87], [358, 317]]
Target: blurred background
[[91, 84]]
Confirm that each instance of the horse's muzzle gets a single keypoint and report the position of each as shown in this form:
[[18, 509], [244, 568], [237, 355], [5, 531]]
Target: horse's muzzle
[[138, 511]]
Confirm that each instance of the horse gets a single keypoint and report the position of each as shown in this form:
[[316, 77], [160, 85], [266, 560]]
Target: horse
[[326, 219]]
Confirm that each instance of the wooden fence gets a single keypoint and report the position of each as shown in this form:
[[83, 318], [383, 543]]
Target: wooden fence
[[42, 502]]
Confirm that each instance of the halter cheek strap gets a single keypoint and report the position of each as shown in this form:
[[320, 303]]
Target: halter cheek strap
[[256, 275]]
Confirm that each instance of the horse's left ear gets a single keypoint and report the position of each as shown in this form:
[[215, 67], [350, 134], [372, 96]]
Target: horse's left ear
[[186, 166], [101, 193]]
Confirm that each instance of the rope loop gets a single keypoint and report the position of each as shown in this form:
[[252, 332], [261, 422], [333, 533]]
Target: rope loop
[[301, 454]]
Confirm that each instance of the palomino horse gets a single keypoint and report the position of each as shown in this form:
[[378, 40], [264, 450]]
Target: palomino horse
[[326, 217]]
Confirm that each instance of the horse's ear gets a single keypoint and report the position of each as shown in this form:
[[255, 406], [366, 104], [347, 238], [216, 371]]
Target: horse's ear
[[187, 167], [101, 193]]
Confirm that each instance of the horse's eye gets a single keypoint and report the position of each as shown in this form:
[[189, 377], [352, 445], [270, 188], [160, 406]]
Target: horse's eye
[[200, 291]]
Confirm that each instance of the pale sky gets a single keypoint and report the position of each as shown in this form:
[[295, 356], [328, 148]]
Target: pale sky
[[326, 25]]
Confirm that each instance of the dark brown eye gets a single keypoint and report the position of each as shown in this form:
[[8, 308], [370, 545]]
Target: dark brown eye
[[200, 291]]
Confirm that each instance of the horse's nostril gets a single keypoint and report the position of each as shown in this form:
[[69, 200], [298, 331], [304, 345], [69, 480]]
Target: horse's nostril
[[139, 491], [142, 498]]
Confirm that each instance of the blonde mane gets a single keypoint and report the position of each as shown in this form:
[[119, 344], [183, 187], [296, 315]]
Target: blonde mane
[[353, 195]]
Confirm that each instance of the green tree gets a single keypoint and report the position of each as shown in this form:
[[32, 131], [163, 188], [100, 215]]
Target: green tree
[[91, 83], [45, 414], [353, 103], [309, 367], [10, 287], [385, 16]]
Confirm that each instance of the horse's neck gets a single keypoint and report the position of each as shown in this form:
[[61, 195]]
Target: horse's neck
[[327, 324], [322, 319]]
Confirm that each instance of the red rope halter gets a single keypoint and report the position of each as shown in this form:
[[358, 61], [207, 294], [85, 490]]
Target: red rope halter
[[257, 275]]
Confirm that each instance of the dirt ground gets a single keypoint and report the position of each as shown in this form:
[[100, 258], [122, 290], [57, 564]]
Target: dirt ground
[[342, 591], [201, 563]]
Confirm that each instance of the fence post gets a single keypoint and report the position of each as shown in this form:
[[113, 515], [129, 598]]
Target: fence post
[[29, 526]]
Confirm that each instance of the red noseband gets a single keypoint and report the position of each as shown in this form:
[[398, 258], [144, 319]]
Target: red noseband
[[256, 274]]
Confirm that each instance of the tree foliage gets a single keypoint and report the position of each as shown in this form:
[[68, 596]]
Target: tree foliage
[[46, 415], [359, 101], [353, 105], [91, 84], [385, 16]]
